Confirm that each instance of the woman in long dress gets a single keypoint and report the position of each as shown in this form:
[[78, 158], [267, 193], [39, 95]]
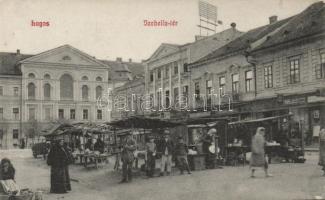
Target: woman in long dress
[[59, 160], [258, 159], [322, 149]]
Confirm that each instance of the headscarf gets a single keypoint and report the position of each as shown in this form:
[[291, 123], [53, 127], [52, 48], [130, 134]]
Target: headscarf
[[258, 141], [322, 134], [212, 131]]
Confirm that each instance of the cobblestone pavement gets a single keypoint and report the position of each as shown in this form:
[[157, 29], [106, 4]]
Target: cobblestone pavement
[[290, 181]]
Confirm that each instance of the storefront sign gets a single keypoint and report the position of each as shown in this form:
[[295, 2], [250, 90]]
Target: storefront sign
[[294, 100], [312, 99]]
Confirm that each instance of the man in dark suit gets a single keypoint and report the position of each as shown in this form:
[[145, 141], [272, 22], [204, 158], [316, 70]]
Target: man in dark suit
[[127, 158], [166, 151]]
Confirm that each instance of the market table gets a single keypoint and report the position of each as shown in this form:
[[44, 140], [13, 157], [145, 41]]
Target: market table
[[234, 152], [95, 159]]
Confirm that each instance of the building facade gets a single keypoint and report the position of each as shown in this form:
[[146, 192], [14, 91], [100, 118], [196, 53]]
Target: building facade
[[270, 70], [167, 76], [60, 84]]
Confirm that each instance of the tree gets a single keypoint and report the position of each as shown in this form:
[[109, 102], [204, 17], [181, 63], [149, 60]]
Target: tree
[[33, 129]]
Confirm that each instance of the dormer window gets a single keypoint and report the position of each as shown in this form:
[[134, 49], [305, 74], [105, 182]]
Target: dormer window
[[84, 78], [66, 58], [99, 78], [31, 75]]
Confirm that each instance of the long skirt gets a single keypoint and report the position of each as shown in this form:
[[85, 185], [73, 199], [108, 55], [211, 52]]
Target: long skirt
[[258, 160], [60, 180]]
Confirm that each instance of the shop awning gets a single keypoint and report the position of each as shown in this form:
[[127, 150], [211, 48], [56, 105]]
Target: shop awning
[[143, 122], [258, 120]]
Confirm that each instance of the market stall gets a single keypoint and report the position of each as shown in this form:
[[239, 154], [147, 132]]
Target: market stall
[[283, 139]]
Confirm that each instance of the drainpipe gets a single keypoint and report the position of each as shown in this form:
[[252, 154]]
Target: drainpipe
[[253, 63]]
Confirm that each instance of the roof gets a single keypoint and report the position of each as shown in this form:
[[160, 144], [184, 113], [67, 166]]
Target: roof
[[309, 22], [132, 68], [9, 63], [244, 41]]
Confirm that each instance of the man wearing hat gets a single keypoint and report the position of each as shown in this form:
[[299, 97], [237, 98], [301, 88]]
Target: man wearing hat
[[181, 151], [166, 150], [151, 159], [127, 158]]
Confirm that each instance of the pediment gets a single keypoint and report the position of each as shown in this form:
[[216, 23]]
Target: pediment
[[64, 55], [163, 50]]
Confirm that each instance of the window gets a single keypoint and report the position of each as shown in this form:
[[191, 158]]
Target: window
[[294, 71], [47, 91], [167, 71], [167, 100], [85, 114], [185, 93], [185, 67], [1, 90], [159, 99], [208, 92], [84, 92], [99, 78], [99, 114], [47, 76], [197, 89], [31, 75], [15, 133], [151, 76], [72, 114], [249, 80], [268, 76], [1, 134], [31, 91], [151, 100], [61, 114], [222, 84], [1, 113], [66, 87], [175, 95], [175, 68], [16, 91], [320, 69], [47, 113], [159, 74], [15, 112], [99, 91], [84, 78], [31, 113], [235, 83]]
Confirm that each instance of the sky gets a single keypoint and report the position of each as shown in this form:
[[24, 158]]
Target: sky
[[108, 29]]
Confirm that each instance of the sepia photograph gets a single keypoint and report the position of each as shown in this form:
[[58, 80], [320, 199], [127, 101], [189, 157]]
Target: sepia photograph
[[162, 99]]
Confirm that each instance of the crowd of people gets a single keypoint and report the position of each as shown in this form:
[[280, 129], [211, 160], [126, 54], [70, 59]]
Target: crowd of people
[[59, 158]]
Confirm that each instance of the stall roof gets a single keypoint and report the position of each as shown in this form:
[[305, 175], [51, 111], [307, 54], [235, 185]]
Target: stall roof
[[143, 122], [259, 120]]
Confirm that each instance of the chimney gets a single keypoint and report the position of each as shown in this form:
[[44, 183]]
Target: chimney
[[119, 59], [273, 19], [233, 25], [130, 60], [18, 52]]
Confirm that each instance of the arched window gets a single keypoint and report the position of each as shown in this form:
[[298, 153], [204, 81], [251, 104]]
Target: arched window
[[31, 75], [99, 91], [47, 91], [31, 91], [99, 78], [84, 78], [47, 76], [66, 87], [84, 92]]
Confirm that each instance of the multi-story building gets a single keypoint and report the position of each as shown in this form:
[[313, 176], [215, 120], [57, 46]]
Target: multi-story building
[[129, 99], [59, 84], [270, 70], [167, 76]]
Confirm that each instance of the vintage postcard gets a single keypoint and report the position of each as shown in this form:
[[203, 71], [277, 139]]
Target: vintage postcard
[[162, 99]]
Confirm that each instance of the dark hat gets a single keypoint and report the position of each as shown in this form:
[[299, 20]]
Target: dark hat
[[180, 137]]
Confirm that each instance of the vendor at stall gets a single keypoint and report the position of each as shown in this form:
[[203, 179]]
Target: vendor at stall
[[151, 159], [207, 142], [99, 145]]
